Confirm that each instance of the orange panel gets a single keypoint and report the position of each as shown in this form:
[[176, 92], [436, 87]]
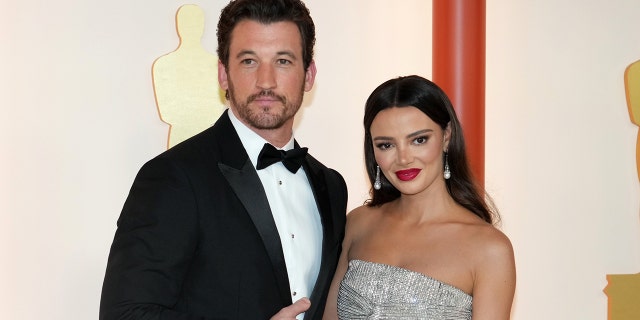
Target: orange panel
[[459, 68]]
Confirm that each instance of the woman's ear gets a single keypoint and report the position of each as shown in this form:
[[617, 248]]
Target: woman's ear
[[447, 137]]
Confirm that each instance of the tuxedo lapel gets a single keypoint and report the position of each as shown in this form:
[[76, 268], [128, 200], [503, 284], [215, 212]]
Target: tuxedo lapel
[[243, 178], [330, 237], [321, 195]]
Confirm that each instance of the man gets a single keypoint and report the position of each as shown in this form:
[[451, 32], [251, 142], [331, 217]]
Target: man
[[209, 230]]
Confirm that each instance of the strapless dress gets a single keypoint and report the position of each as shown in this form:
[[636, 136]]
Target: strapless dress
[[378, 291]]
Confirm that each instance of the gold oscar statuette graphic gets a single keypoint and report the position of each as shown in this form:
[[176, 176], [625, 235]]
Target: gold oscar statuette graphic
[[632, 89], [623, 290], [624, 296], [185, 81]]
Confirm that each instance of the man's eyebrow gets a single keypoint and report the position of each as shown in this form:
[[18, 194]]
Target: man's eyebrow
[[245, 52]]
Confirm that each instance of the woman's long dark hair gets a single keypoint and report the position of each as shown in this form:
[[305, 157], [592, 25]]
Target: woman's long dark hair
[[418, 92]]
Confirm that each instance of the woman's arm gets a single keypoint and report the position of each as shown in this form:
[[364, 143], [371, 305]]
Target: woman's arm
[[495, 280]]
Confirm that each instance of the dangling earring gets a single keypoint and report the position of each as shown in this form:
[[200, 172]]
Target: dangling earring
[[447, 172], [377, 184]]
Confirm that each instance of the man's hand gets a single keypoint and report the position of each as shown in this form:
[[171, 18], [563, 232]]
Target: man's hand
[[290, 312]]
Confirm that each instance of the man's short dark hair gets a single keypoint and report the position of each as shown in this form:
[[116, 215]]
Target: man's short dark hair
[[266, 12]]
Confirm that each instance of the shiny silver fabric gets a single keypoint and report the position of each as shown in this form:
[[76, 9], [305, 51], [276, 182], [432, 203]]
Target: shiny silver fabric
[[379, 291]]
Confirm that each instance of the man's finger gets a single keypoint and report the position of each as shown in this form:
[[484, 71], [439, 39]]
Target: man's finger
[[293, 310]]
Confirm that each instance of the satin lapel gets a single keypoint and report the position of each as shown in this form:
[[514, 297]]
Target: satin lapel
[[241, 175], [321, 194], [247, 186]]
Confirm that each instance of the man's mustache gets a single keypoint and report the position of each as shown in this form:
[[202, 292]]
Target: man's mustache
[[266, 93]]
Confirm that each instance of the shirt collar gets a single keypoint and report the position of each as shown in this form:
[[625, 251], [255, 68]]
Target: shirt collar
[[251, 141]]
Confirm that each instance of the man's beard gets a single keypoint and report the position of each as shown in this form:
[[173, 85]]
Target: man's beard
[[262, 120]]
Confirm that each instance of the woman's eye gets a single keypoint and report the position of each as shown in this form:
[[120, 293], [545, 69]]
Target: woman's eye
[[383, 146], [420, 140]]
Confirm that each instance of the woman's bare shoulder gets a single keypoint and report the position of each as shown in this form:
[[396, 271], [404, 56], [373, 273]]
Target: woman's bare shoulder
[[489, 242], [360, 218], [360, 214]]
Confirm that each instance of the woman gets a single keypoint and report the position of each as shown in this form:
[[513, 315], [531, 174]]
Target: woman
[[424, 246]]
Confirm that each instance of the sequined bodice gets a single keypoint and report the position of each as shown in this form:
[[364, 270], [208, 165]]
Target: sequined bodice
[[378, 291]]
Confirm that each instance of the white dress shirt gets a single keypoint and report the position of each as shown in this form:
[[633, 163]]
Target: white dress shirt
[[295, 213]]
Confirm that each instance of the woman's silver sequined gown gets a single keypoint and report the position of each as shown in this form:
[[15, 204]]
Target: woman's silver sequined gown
[[379, 291]]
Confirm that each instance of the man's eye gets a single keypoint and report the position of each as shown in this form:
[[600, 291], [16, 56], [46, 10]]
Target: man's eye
[[247, 61], [284, 61]]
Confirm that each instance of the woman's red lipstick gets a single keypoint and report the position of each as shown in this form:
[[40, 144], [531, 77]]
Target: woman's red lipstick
[[408, 174]]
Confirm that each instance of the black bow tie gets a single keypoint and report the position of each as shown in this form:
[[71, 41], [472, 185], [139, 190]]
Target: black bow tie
[[291, 159]]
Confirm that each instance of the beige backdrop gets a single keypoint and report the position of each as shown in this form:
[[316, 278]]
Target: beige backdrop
[[79, 118]]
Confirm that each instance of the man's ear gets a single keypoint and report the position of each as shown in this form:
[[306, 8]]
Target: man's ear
[[222, 76], [310, 76]]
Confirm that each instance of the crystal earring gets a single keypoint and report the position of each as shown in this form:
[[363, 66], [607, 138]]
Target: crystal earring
[[377, 184], [447, 172]]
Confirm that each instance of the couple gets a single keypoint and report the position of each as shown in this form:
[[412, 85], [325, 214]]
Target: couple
[[229, 225]]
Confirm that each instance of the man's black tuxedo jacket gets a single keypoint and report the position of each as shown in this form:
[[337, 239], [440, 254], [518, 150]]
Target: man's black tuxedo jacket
[[196, 238]]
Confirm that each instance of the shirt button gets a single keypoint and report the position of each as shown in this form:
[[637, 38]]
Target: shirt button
[[293, 236], [279, 182], [294, 293]]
